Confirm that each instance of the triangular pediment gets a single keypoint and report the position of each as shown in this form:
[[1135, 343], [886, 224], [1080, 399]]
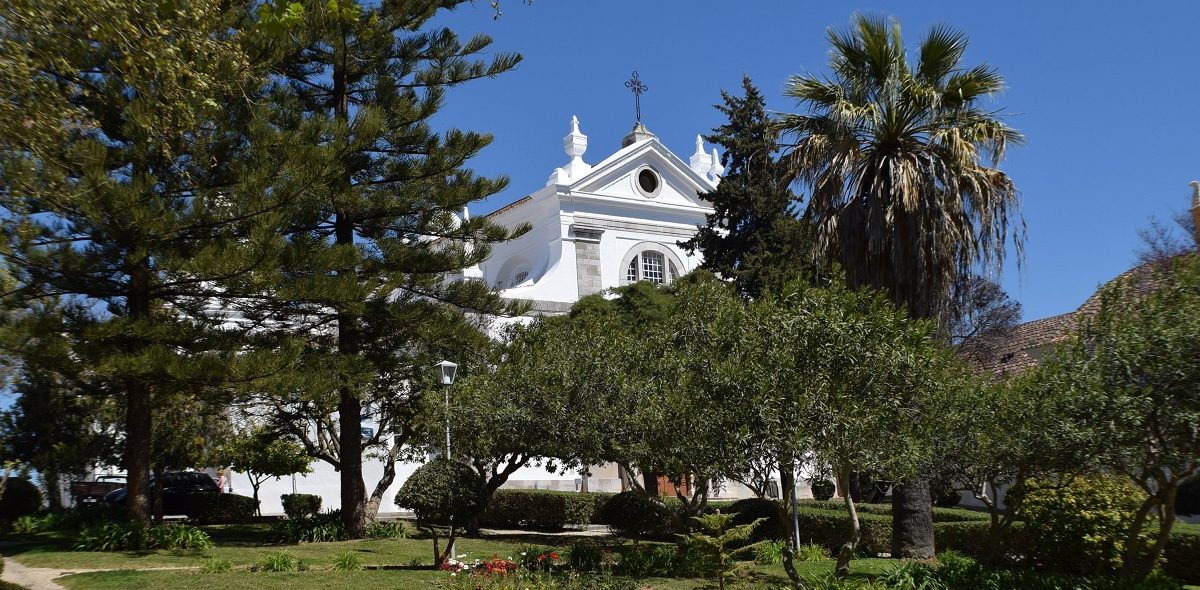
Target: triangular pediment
[[618, 177]]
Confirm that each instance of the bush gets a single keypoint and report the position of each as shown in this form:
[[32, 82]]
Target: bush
[[321, 528], [541, 510], [21, 498], [633, 515], [776, 525], [114, 536], [441, 490], [769, 552], [347, 561], [210, 508], [1188, 499], [216, 565], [831, 529], [955, 572], [822, 489], [386, 530], [278, 562], [1078, 526], [586, 556], [661, 561], [1180, 554], [301, 505]]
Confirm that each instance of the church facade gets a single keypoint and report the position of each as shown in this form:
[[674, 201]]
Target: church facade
[[593, 227]]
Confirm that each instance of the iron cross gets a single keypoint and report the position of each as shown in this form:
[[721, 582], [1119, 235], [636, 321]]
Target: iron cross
[[635, 84]]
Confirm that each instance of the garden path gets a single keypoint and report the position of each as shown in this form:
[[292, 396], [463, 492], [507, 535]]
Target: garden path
[[42, 578]]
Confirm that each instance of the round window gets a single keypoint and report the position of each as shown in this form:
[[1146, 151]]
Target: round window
[[648, 181]]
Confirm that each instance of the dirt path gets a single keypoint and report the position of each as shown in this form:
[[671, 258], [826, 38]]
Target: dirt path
[[42, 578]]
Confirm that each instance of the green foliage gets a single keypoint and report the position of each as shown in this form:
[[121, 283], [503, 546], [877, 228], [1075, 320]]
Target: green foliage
[[588, 556], [1180, 555], [955, 572], [216, 565], [660, 560], [261, 454], [540, 509], [631, 514], [770, 552], [442, 490], [347, 561], [319, 528], [300, 505], [210, 508], [21, 498], [387, 530], [280, 561], [718, 541], [812, 552], [1079, 525], [73, 519], [753, 236], [822, 489], [133, 536], [524, 580]]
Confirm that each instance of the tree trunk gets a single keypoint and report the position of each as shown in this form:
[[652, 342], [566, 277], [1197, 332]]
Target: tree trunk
[[385, 482], [912, 520], [650, 484], [53, 482], [353, 489], [137, 450], [846, 553]]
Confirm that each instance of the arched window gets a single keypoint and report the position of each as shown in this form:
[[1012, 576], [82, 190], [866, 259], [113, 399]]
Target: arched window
[[651, 266], [650, 261]]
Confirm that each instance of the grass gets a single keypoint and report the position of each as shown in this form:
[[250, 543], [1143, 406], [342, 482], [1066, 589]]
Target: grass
[[364, 580]]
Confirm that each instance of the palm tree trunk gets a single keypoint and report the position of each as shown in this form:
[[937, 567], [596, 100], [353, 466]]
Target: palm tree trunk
[[912, 520]]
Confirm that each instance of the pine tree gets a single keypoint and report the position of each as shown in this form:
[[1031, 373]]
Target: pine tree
[[753, 236], [130, 186], [365, 279]]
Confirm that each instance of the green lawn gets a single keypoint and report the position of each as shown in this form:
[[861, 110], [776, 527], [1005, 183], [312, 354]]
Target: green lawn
[[243, 546], [373, 580]]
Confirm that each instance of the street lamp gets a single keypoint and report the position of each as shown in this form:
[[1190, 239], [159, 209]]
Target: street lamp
[[445, 372]]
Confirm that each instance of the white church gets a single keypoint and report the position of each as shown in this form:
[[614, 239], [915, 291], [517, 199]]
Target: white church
[[593, 227]]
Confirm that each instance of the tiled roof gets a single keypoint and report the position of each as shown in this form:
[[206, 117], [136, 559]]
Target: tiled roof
[[1027, 342]]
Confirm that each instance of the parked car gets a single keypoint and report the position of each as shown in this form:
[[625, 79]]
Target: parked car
[[177, 486], [95, 490]]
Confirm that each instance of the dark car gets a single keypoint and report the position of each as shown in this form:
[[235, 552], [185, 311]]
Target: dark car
[[176, 488]]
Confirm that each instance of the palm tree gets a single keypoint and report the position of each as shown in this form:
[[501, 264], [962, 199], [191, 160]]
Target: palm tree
[[901, 165]]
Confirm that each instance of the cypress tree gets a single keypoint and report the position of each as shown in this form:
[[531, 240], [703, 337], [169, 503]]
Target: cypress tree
[[753, 236], [130, 186], [366, 276]]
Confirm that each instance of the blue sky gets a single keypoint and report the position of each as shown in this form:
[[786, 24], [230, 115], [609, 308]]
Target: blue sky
[[1107, 93]]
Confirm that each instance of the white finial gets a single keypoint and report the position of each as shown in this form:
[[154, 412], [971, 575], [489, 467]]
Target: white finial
[[717, 169], [700, 162], [575, 143], [466, 216]]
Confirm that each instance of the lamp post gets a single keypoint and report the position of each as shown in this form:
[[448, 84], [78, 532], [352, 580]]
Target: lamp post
[[445, 371]]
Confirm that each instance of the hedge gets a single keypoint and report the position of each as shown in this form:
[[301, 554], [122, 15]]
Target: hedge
[[1183, 555], [300, 505], [542, 510], [210, 508], [21, 498], [939, 514]]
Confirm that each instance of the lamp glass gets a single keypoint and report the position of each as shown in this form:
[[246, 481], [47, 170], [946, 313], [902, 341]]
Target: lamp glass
[[445, 371]]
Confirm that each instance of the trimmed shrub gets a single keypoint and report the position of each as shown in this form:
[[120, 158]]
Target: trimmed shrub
[[822, 489], [1188, 499], [442, 489], [831, 529], [1181, 556], [633, 515], [21, 498], [301, 505], [541, 510], [776, 525], [210, 508], [1078, 526]]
